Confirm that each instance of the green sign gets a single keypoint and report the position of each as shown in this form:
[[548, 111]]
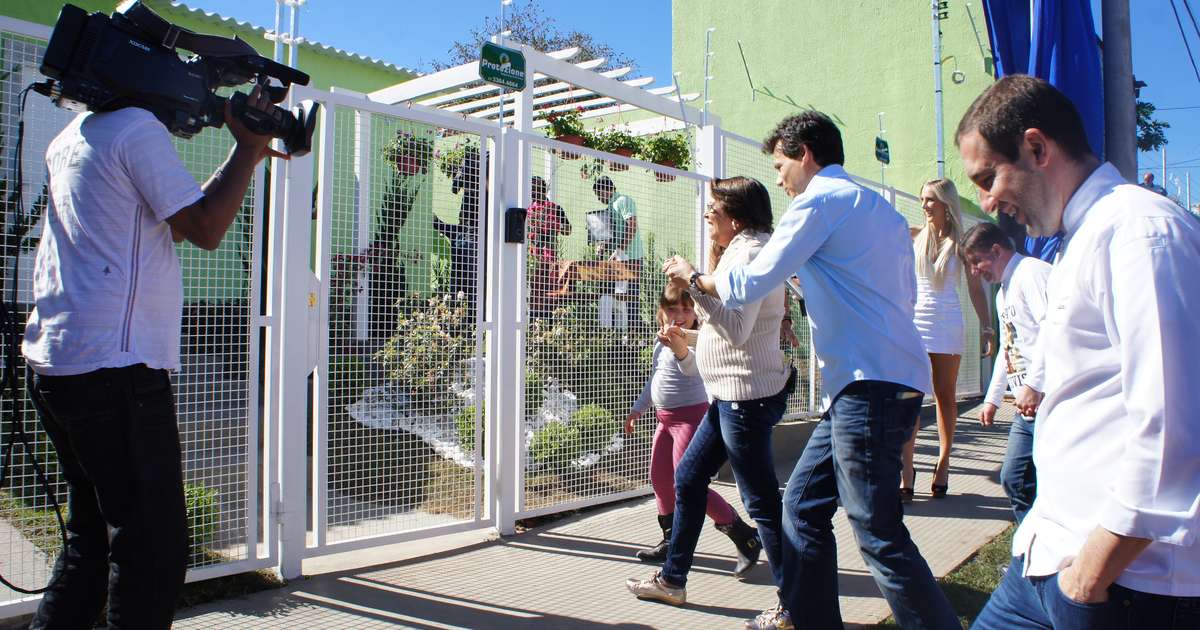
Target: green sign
[[502, 66], [882, 153]]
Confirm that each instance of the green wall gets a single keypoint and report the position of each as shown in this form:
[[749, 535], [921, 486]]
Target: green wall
[[849, 59]]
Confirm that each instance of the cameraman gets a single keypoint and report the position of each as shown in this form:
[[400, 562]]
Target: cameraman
[[103, 333]]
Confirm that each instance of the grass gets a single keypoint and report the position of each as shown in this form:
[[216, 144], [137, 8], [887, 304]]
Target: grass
[[969, 586]]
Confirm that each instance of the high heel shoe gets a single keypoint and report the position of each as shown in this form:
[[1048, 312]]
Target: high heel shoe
[[939, 490], [906, 495]]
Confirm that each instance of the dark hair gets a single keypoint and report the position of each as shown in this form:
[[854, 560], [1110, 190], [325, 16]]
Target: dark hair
[[810, 129], [981, 238], [671, 296], [538, 187], [604, 183], [1017, 103], [744, 200]]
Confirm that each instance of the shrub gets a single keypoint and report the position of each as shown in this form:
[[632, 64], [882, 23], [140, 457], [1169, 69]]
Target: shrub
[[596, 426], [427, 354], [464, 428], [555, 445], [203, 514]]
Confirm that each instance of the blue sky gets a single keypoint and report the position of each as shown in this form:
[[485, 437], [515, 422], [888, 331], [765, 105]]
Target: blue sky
[[411, 32]]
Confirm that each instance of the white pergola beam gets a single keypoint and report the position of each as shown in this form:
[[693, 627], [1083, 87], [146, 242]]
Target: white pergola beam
[[480, 108], [563, 71], [449, 79], [486, 88]]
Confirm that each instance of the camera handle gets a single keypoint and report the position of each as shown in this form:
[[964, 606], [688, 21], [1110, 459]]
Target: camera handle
[[270, 122]]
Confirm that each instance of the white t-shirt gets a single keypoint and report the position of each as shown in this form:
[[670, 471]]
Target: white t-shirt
[[107, 288], [1021, 304]]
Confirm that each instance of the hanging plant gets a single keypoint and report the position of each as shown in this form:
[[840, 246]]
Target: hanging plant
[[620, 142], [568, 127], [667, 149], [410, 152], [449, 161]]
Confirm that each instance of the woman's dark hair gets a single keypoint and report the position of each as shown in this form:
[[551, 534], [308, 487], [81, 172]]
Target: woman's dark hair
[[538, 188], [671, 296], [744, 200], [810, 129], [1017, 103]]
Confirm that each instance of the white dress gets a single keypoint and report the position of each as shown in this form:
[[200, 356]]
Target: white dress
[[938, 313]]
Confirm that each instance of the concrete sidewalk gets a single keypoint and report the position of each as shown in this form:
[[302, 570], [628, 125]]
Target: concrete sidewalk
[[571, 573]]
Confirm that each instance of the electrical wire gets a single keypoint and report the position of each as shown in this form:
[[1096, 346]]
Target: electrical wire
[[10, 330], [1188, 8], [1186, 45]]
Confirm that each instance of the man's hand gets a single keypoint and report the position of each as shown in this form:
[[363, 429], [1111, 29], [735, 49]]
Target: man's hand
[[1072, 586], [257, 145], [679, 270], [987, 415], [630, 419], [987, 341], [1027, 400]]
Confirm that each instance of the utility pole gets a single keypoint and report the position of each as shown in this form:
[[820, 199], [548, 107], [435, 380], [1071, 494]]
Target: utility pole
[[938, 10], [1120, 114]]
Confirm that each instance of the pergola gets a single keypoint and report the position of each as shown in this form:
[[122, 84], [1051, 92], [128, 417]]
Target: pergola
[[556, 83]]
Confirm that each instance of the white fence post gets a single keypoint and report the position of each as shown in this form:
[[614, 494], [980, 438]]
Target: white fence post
[[297, 304], [710, 161], [505, 443]]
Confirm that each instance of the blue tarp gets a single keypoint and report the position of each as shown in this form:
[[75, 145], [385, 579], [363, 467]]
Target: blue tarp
[[1055, 40]]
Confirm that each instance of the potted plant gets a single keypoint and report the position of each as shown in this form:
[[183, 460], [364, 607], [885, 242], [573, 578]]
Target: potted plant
[[567, 127], [449, 161], [409, 152], [620, 142], [668, 149]]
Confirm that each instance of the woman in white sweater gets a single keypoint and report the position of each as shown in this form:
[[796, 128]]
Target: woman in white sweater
[[745, 373]]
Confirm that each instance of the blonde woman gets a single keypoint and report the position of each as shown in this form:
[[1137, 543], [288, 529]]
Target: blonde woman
[[939, 320]]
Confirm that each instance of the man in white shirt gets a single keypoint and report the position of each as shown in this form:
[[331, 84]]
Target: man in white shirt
[[1111, 539], [103, 333], [853, 255], [1021, 304]]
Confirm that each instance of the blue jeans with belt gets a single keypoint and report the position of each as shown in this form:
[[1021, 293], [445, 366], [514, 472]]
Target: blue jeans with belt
[[1017, 474], [853, 457], [1037, 603], [739, 431], [127, 538]]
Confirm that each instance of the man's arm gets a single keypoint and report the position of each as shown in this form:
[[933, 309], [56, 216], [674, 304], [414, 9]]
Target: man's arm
[[205, 222], [799, 234], [1156, 480]]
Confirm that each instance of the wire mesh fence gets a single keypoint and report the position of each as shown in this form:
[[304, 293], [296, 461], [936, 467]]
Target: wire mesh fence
[[742, 157], [216, 389], [403, 423], [598, 231]]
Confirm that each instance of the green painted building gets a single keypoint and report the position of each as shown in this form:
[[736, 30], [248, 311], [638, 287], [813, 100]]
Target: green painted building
[[851, 59]]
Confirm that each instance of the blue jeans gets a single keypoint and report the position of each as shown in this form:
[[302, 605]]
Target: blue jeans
[[1021, 603], [118, 448], [854, 456], [1017, 474], [739, 431]]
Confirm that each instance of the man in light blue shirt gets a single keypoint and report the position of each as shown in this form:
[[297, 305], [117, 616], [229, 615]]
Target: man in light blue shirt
[[853, 255]]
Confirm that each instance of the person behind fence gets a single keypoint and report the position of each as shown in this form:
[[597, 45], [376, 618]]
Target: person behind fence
[[677, 392], [988, 253], [1111, 539], [466, 265], [745, 373], [620, 300], [939, 321], [99, 343], [546, 223], [854, 257]]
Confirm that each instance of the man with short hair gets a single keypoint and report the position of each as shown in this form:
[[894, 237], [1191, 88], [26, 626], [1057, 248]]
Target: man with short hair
[[853, 255], [1021, 304], [103, 335], [1111, 539], [626, 247]]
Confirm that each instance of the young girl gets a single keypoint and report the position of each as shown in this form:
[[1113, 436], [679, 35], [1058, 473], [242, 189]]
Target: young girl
[[676, 389]]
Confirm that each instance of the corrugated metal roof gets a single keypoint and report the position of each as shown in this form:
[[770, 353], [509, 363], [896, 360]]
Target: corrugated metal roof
[[217, 18]]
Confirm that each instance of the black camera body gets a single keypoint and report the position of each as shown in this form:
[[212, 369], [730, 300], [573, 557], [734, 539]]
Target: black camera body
[[102, 63]]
